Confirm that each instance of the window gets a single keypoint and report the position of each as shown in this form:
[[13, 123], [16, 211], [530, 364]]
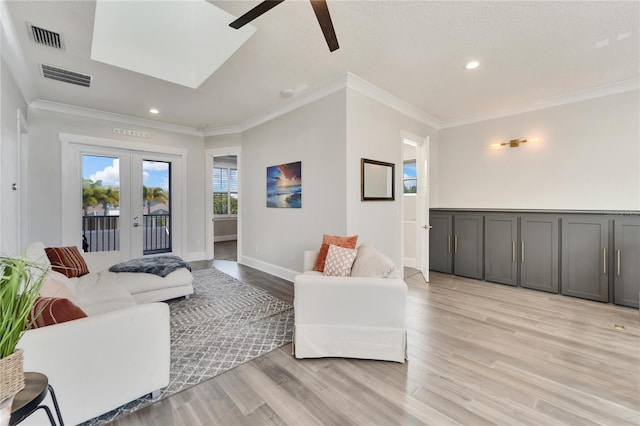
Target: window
[[225, 191], [410, 180]]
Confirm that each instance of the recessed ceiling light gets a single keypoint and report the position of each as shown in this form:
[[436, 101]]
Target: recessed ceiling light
[[472, 65], [154, 111]]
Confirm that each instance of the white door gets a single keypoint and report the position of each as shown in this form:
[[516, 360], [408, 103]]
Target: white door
[[124, 201], [423, 207], [11, 189]]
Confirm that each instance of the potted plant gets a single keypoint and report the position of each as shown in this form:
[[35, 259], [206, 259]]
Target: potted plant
[[20, 284]]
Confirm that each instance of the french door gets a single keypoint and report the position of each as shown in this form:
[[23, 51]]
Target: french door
[[126, 201]]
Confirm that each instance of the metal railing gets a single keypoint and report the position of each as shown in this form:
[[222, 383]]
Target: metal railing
[[102, 233]]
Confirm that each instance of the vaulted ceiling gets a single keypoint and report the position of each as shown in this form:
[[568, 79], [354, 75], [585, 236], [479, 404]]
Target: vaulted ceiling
[[529, 51]]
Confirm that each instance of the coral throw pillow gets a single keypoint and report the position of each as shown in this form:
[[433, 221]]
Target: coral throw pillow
[[327, 240], [67, 260], [339, 261], [52, 310]]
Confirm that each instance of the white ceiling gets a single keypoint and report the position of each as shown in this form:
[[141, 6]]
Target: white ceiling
[[415, 50]]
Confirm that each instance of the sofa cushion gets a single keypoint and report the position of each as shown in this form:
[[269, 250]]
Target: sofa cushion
[[105, 300], [339, 261], [370, 262], [57, 285], [52, 310], [137, 282], [327, 240], [67, 261]]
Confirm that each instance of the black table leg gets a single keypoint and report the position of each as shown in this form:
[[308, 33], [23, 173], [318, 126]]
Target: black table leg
[[55, 405]]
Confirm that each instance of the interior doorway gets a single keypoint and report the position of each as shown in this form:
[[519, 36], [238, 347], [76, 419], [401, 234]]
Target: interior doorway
[[224, 218]]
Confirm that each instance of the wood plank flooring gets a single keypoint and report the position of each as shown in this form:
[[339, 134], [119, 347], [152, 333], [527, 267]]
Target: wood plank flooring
[[479, 353]]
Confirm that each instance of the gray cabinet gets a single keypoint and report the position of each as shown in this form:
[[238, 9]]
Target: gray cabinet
[[539, 252], [585, 257], [440, 242], [626, 265], [500, 249], [467, 246]]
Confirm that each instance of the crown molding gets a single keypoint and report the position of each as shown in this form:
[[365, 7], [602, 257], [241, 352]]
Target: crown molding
[[347, 80], [374, 92], [110, 116], [578, 96]]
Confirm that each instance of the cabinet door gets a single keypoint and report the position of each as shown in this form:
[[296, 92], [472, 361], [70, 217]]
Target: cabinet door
[[440, 241], [500, 239], [539, 253], [468, 253], [626, 268], [585, 262]]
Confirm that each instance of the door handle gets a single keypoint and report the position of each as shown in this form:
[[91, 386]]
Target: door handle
[[618, 262], [455, 244], [522, 251], [604, 261], [136, 224], [513, 252], [425, 227]]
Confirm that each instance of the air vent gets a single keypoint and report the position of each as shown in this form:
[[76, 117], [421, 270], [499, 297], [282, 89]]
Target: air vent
[[45, 37], [66, 76]]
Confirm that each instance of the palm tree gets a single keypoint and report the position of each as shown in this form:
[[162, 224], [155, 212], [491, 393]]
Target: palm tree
[[106, 196], [153, 194]]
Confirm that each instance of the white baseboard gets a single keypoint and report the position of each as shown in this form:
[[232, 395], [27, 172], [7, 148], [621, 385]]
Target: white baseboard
[[198, 255], [278, 271], [220, 238], [410, 262]]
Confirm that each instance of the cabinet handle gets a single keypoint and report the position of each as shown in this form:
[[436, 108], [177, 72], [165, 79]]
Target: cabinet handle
[[522, 251], [513, 252], [604, 261], [455, 244], [449, 244], [618, 253]]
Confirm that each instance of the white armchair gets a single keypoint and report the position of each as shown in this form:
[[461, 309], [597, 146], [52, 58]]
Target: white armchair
[[351, 317]]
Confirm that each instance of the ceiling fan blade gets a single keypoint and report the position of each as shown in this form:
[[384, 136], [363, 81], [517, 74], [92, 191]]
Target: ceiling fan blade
[[263, 7], [324, 19]]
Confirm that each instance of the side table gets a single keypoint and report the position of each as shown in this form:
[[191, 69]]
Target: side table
[[27, 401]]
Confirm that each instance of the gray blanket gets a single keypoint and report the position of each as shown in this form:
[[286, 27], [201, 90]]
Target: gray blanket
[[159, 265]]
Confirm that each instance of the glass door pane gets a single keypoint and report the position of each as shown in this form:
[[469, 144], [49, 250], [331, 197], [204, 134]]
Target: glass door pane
[[100, 203], [156, 201]]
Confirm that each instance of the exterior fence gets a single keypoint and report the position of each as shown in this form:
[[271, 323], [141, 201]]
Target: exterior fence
[[102, 233]]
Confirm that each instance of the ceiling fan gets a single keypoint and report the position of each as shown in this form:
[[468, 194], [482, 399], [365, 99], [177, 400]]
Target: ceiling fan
[[319, 7]]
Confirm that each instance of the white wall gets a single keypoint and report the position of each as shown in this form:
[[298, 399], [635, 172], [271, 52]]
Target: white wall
[[44, 166], [587, 158], [273, 239], [374, 132], [11, 101]]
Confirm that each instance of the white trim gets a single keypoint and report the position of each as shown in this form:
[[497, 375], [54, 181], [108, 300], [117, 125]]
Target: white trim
[[227, 130], [208, 195], [110, 116], [409, 261], [23, 180], [578, 96], [374, 92], [269, 268], [220, 238], [119, 144]]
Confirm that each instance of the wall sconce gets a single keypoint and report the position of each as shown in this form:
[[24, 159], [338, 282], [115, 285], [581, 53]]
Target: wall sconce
[[513, 143]]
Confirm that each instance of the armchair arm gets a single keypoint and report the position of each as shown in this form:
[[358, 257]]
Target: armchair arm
[[101, 260], [98, 363]]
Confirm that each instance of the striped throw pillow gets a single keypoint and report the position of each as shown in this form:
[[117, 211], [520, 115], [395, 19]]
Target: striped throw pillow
[[67, 260]]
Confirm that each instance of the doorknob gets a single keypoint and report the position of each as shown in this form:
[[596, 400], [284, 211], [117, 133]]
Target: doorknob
[[425, 227], [136, 224]]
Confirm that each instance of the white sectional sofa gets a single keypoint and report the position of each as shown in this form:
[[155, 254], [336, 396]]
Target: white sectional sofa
[[351, 317], [119, 352]]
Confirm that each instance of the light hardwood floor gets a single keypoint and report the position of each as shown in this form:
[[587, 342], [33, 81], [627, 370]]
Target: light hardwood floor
[[479, 353]]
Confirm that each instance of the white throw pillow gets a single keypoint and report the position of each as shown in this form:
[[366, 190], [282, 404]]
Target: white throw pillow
[[57, 285], [339, 261], [371, 263]]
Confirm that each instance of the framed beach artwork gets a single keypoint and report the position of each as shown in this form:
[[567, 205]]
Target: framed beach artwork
[[284, 186]]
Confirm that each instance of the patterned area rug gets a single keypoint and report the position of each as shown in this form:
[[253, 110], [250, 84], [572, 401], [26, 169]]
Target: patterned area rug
[[224, 324]]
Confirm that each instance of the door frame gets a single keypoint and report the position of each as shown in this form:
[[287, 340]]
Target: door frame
[[422, 201], [23, 176], [209, 154], [71, 170]]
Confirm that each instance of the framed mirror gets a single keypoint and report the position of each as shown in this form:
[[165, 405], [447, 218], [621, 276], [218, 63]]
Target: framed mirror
[[377, 180]]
